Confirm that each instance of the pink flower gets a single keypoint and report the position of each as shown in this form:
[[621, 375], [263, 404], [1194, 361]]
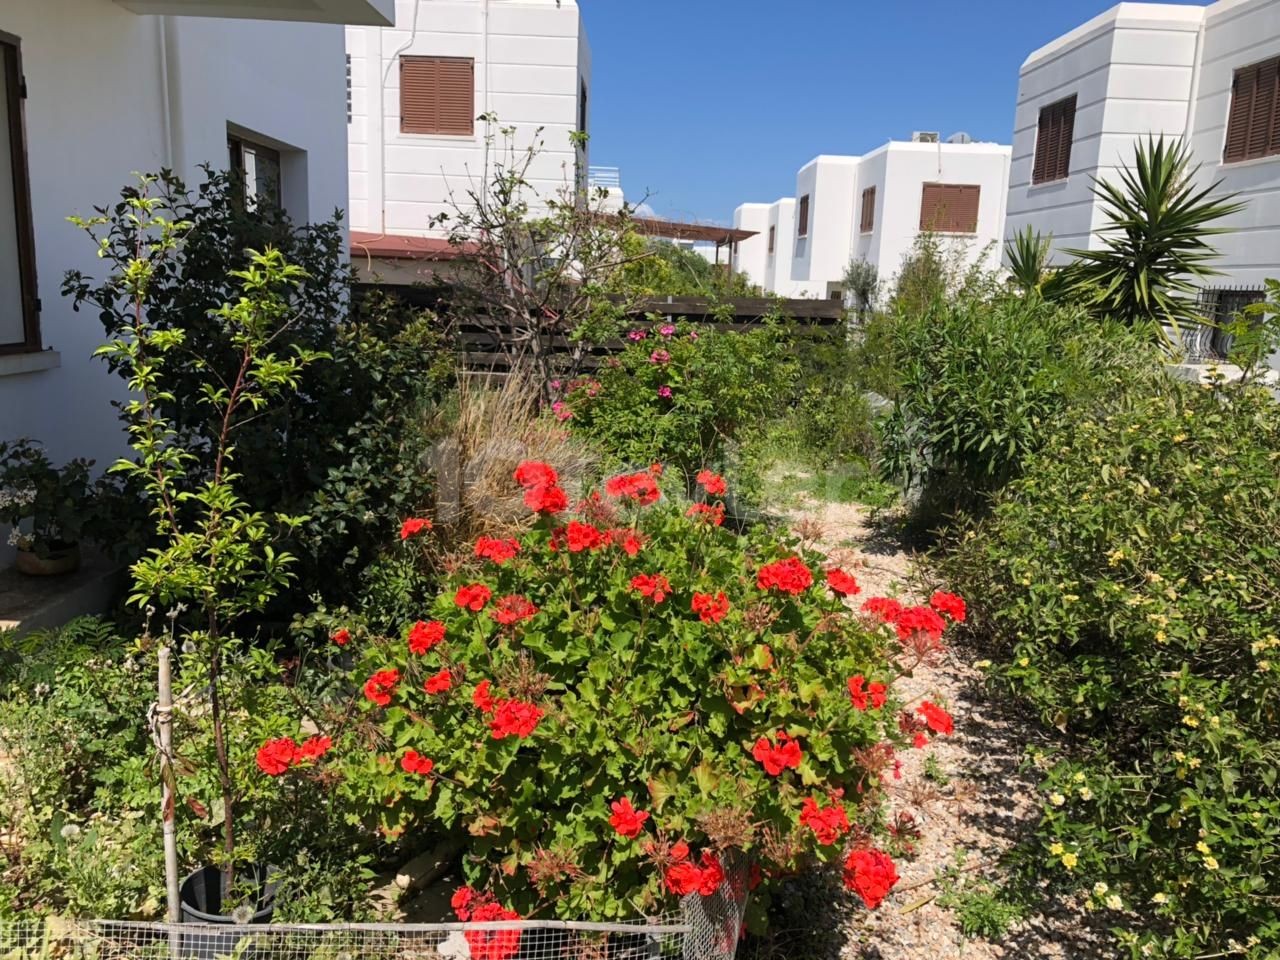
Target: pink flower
[[659, 357], [664, 392], [667, 330], [635, 336]]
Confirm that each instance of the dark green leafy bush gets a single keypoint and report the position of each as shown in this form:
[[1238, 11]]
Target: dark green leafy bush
[[1129, 583]]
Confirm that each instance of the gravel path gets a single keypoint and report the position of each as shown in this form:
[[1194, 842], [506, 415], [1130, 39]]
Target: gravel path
[[973, 804]]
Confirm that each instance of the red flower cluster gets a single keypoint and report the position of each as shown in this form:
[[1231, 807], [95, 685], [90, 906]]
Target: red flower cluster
[[713, 483], [652, 585], [381, 686], [707, 513], [626, 819], [499, 551], [472, 597], [414, 526], [424, 635], [514, 718], [710, 608], [473, 907], [842, 583], [583, 536], [439, 683], [482, 698], [541, 491], [638, 487], [341, 637], [938, 720], [777, 758], [277, 756], [414, 762], [871, 875], [685, 877], [630, 541], [512, 609], [789, 575], [828, 824], [949, 605], [915, 620], [863, 695], [886, 608]]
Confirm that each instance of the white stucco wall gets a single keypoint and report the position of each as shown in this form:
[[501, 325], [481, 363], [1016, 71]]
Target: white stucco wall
[[752, 256], [782, 217], [99, 109], [531, 57], [819, 259]]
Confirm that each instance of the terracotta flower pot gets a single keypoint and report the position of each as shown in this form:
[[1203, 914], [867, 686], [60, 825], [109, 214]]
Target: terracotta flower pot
[[61, 560]]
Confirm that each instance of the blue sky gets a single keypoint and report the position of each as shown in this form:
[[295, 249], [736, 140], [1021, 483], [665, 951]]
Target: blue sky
[[712, 103]]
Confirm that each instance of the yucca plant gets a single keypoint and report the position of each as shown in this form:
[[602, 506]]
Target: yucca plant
[[1155, 244], [1028, 257]]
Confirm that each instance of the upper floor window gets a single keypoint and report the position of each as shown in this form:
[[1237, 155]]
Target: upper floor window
[[257, 171], [868, 210], [802, 217], [1253, 122], [438, 95], [950, 207], [19, 303], [1053, 141], [773, 237]]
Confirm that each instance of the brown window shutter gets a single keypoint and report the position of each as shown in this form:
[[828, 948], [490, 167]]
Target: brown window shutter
[[802, 218], [1262, 116], [437, 95], [773, 232], [1242, 95], [950, 207], [1253, 119], [13, 139], [868, 210], [1053, 141]]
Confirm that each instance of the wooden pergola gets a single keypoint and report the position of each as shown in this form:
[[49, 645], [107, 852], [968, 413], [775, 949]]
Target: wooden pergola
[[722, 237]]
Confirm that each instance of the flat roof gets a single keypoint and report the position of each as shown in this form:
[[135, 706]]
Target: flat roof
[[676, 230]]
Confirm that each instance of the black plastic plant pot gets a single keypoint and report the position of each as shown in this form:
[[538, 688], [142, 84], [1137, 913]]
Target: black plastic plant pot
[[205, 901]]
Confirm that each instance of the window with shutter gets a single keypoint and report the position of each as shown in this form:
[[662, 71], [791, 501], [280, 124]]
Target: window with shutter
[[1053, 141], [950, 207], [773, 236], [437, 95], [19, 303], [802, 217], [868, 210], [1253, 119]]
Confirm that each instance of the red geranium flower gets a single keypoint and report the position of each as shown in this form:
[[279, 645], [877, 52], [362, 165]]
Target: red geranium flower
[[789, 576], [381, 686], [863, 696], [474, 907], [341, 637], [886, 608], [655, 586], [949, 605], [277, 756], [630, 541], [713, 483], [512, 609], [313, 748], [871, 875], [627, 820], [499, 551], [582, 536], [920, 741], [414, 762], [710, 608], [482, 698], [707, 513], [939, 720], [535, 473], [461, 902], [472, 597], [842, 583], [712, 874], [438, 683], [546, 499], [413, 526], [777, 758], [639, 487], [828, 823], [425, 635], [685, 877], [514, 718], [919, 620]]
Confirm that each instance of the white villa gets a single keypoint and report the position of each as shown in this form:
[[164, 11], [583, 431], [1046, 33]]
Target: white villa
[[416, 93], [1208, 74], [873, 208], [93, 90]]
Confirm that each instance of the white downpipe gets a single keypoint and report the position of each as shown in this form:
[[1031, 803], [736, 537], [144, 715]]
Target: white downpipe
[[170, 94], [381, 138]]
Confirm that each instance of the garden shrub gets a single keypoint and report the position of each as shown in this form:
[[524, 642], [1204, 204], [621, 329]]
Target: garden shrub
[[610, 707], [1129, 583], [349, 436], [980, 381], [682, 395]]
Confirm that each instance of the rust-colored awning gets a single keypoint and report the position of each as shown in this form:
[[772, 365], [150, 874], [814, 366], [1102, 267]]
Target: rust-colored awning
[[676, 230], [401, 247]]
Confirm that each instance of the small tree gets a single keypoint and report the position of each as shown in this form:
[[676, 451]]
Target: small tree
[[535, 271], [862, 287]]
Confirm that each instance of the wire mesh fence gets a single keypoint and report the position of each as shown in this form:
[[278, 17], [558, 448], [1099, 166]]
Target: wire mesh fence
[[706, 928]]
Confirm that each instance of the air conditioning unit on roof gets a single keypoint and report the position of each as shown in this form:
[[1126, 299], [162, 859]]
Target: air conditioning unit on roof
[[925, 136]]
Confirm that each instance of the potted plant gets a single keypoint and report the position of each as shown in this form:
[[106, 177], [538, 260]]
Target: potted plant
[[44, 505]]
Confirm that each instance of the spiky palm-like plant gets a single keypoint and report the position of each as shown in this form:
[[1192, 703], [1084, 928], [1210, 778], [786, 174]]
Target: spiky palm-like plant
[[1028, 257], [1155, 244]]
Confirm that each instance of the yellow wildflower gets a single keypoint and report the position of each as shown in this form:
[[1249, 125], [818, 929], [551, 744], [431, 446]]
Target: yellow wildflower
[[1057, 799], [1069, 860], [1210, 863], [1114, 902], [1202, 846], [1191, 721], [1057, 849]]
